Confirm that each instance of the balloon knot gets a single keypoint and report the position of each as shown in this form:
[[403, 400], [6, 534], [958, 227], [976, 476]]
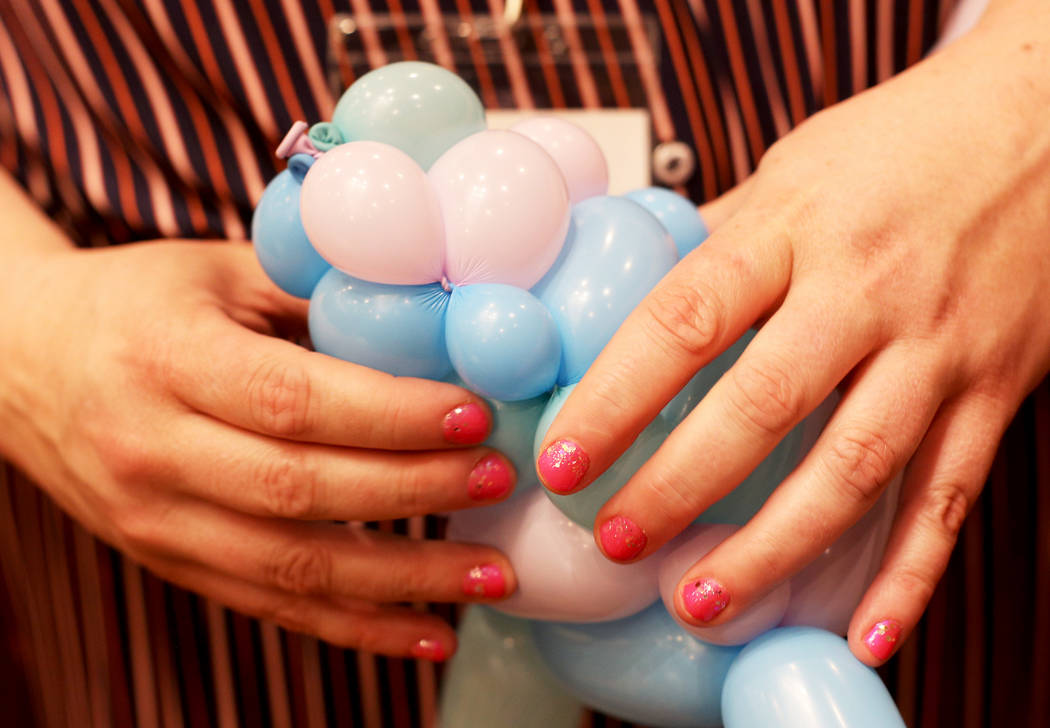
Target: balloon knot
[[446, 284]]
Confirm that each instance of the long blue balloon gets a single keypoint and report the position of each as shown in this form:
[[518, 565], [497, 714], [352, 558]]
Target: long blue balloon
[[614, 254], [502, 341], [644, 668], [279, 240], [802, 676], [396, 329]]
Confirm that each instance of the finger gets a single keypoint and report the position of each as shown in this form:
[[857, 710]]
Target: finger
[[265, 476], [868, 440], [704, 304], [325, 559], [723, 207], [276, 388], [387, 630], [789, 368], [940, 487]]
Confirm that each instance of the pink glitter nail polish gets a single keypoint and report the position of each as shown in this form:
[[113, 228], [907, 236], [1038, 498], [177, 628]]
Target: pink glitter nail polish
[[705, 599], [562, 466], [485, 581], [622, 539], [429, 650], [466, 425], [490, 479], [882, 638]]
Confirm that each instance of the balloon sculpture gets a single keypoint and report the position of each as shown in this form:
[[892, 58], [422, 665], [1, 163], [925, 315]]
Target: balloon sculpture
[[431, 246]]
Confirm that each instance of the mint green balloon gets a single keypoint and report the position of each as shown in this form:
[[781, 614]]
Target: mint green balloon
[[420, 108]]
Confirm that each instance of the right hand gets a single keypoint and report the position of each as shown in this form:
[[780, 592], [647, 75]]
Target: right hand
[[144, 389]]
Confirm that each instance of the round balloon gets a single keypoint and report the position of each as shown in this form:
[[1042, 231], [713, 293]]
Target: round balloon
[[280, 241], [644, 669], [688, 548], [800, 676], [420, 108], [506, 209], [676, 213], [371, 212], [561, 573], [583, 506], [578, 156], [396, 329], [502, 341], [614, 254]]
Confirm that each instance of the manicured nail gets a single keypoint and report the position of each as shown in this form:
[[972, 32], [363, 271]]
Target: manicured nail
[[622, 539], [485, 581], [705, 599], [466, 425], [429, 650], [491, 478], [882, 638], [562, 465]]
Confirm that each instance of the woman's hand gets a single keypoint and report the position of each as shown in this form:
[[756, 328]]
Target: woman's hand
[[896, 246], [144, 389]]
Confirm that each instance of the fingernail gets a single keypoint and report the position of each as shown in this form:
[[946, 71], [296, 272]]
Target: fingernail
[[485, 581], [562, 465], [622, 539], [429, 650], [705, 599], [882, 638], [491, 478], [466, 425]]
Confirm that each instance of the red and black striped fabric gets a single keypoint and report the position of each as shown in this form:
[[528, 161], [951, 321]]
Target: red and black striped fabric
[[134, 119]]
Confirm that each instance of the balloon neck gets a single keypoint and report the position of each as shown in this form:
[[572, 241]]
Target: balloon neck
[[446, 284]]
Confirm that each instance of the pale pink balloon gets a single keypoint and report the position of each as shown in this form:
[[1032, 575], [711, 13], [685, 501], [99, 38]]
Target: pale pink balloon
[[684, 551], [562, 576], [506, 209], [577, 154], [371, 212]]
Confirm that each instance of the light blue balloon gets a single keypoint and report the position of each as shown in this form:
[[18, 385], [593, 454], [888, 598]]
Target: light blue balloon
[[614, 254], [497, 678], [502, 341], [278, 237], [676, 213], [513, 429], [420, 108], [802, 676], [744, 501], [644, 669], [396, 329], [583, 506]]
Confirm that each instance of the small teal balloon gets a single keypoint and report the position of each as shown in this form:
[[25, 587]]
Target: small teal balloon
[[278, 237], [396, 329], [497, 677], [614, 254], [420, 108], [583, 506], [502, 341], [744, 501], [644, 669], [676, 213], [802, 676]]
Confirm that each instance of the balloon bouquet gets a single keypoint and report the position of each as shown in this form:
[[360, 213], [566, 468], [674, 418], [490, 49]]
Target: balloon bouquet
[[431, 246]]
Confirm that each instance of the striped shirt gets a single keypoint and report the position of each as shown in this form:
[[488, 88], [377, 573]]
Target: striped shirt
[[135, 119]]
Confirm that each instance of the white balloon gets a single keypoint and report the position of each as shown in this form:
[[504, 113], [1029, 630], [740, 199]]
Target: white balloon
[[561, 574], [685, 550]]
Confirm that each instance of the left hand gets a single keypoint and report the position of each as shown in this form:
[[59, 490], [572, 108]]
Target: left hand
[[896, 246]]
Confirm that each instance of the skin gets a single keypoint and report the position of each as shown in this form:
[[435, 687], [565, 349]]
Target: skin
[[145, 389], [896, 247]]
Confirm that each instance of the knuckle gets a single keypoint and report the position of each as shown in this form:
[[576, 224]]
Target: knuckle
[[764, 395], [686, 317], [919, 585], [860, 463], [128, 457], [279, 399], [290, 615], [290, 484], [947, 506], [672, 494], [304, 569]]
